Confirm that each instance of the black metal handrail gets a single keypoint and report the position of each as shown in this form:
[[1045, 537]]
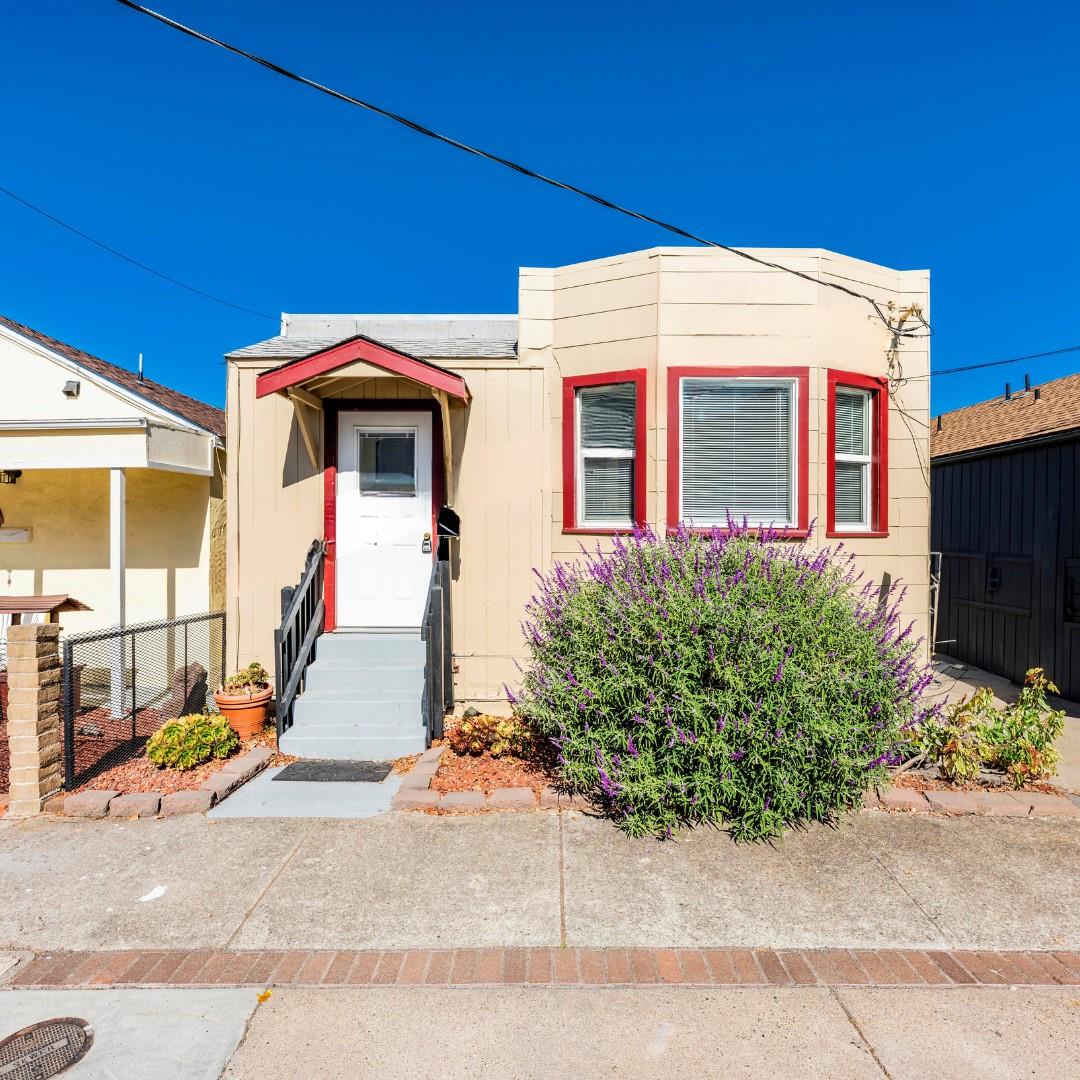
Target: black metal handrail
[[302, 612], [437, 633]]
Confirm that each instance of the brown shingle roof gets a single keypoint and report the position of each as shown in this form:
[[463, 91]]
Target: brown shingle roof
[[196, 412], [999, 422]]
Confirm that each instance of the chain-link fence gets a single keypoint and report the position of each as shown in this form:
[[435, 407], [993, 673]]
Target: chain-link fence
[[122, 683]]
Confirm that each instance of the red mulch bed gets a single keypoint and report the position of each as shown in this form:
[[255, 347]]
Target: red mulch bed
[[482, 772], [141, 774], [919, 782]]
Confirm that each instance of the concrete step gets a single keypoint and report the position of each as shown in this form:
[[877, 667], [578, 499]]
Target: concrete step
[[353, 747], [364, 682], [317, 708], [392, 648]]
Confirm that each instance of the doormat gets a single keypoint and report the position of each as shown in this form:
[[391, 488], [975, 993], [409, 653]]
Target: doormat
[[354, 772]]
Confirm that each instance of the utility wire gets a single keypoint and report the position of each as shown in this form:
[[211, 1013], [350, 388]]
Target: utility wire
[[996, 363], [523, 170], [128, 259]]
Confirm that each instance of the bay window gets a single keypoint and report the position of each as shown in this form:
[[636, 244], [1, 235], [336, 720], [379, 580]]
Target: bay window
[[603, 457], [737, 445], [857, 445]]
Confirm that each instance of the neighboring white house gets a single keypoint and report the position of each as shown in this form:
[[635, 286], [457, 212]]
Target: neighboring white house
[[110, 487]]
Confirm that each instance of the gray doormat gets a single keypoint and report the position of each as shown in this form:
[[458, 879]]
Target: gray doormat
[[355, 772]]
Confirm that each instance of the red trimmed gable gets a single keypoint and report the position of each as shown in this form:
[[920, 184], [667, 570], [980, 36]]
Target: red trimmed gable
[[327, 361]]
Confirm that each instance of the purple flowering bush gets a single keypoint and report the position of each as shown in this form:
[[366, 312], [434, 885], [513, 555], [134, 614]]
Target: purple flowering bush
[[729, 678]]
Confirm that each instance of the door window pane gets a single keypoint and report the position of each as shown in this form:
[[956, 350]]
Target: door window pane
[[386, 462]]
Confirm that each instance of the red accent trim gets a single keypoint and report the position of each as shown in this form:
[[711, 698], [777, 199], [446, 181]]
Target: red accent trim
[[337, 356], [331, 408], [878, 387], [802, 422], [571, 385]]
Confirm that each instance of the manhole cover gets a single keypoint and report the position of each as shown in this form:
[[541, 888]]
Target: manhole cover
[[45, 1049], [356, 772]]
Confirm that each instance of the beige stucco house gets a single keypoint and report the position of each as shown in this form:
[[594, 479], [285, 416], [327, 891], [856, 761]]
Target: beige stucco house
[[656, 386], [110, 487]]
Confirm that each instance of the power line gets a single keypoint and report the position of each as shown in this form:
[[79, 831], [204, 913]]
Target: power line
[[996, 363], [128, 259], [523, 170]]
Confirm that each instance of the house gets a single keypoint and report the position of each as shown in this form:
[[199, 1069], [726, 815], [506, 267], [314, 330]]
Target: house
[[110, 488], [1006, 484], [673, 384]]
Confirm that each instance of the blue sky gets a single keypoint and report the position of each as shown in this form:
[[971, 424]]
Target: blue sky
[[936, 135]]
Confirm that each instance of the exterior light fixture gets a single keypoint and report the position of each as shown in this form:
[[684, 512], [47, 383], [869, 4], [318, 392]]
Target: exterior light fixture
[[10, 476], [71, 388]]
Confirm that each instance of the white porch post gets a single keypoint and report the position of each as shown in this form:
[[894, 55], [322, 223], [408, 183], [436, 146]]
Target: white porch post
[[117, 533]]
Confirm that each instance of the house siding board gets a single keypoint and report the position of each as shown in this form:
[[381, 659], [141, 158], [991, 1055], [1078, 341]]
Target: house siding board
[[1012, 511], [608, 315]]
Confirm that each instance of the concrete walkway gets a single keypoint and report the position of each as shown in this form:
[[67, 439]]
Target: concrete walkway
[[408, 880]]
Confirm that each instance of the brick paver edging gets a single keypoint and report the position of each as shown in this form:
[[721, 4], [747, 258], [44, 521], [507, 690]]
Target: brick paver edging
[[984, 803], [95, 803], [415, 793], [550, 966]]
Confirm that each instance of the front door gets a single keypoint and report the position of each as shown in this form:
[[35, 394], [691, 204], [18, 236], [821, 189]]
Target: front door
[[383, 518]]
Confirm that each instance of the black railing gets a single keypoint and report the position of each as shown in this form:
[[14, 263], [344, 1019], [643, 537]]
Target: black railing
[[438, 635], [302, 612], [120, 684]]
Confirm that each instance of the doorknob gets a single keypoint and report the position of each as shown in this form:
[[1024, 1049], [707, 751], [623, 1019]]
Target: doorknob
[[425, 547]]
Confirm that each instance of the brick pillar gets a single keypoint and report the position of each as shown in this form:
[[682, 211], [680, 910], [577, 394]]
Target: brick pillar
[[33, 716]]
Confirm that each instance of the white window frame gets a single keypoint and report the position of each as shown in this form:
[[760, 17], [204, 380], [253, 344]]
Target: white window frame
[[866, 459], [793, 383], [582, 452]]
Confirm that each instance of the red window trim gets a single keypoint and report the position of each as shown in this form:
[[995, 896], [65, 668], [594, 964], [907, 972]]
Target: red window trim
[[879, 454], [801, 376], [571, 385], [331, 408]]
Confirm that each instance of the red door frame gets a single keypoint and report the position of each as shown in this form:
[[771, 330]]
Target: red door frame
[[331, 409]]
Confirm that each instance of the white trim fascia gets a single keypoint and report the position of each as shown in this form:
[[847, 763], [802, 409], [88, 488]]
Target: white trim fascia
[[110, 423], [103, 382]]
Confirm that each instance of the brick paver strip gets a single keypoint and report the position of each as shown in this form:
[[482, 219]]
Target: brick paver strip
[[544, 966]]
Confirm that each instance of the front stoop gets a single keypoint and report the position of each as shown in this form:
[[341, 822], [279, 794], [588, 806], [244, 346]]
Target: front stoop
[[415, 793], [148, 804], [362, 699]]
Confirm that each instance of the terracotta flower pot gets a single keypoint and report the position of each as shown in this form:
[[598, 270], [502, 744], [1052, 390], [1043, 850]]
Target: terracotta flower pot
[[246, 713]]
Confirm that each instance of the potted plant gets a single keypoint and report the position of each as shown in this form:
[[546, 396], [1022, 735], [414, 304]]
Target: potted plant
[[244, 699]]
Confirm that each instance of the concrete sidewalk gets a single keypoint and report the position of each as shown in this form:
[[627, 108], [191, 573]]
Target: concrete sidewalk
[[526, 1033], [412, 881]]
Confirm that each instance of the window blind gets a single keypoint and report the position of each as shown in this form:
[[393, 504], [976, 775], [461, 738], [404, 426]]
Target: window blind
[[606, 429], [852, 423], [738, 451], [851, 486]]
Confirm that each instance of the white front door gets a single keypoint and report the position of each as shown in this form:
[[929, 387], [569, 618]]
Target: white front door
[[383, 518]]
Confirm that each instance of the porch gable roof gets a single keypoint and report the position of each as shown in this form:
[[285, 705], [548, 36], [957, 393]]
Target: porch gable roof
[[293, 373]]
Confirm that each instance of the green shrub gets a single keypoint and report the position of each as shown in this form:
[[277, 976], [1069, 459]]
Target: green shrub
[[1018, 739], [191, 740], [727, 677], [249, 680], [497, 734]]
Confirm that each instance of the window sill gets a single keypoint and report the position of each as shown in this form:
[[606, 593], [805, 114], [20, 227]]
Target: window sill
[[860, 534], [597, 530]]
